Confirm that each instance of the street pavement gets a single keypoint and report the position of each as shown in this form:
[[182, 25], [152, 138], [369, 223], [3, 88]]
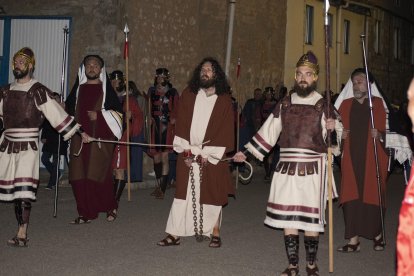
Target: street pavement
[[127, 246]]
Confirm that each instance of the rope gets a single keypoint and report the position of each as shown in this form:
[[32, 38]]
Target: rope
[[99, 140]]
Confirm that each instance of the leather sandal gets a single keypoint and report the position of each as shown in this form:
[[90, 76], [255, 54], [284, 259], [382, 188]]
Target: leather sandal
[[111, 215], [349, 248], [379, 244], [215, 242], [169, 240], [160, 195], [80, 220], [18, 242], [291, 271], [312, 271]]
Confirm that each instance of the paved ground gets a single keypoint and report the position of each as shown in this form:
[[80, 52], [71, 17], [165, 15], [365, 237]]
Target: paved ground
[[128, 245]]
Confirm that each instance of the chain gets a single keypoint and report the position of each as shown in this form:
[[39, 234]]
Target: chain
[[198, 234]]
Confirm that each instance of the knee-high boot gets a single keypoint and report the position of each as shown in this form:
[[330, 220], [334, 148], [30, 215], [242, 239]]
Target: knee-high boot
[[158, 175], [311, 247], [163, 187], [292, 249], [22, 211], [119, 188]]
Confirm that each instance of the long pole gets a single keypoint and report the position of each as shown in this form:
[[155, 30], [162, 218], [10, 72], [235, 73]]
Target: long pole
[[230, 35], [126, 31], [374, 139], [238, 117], [328, 100], [62, 89]]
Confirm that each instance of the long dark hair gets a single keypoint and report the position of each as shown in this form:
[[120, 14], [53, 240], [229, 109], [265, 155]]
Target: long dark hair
[[221, 84]]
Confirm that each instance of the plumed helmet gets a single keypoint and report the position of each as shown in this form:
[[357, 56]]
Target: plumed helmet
[[162, 72], [116, 75], [309, 59], [27, 54]]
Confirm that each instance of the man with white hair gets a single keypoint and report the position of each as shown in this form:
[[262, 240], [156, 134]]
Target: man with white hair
[[359, 190]]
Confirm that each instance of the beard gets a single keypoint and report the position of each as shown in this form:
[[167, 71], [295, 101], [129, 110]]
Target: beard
[[89, 76], [303, 92], [19, 74], [205, 82]]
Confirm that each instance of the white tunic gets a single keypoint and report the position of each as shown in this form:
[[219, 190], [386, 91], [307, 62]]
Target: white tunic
[[19, 172], [295, 202], [180, 221]]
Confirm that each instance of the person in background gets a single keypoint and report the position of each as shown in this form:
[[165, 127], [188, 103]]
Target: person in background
[[53, 147]]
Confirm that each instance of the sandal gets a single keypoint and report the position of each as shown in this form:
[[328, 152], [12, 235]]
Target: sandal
[[160, 195], [155, 192], [215, 242], [18, 242], [312, 271], [111, 215], [291, 271], [80, 220], [379, 244], [349, 248], [169, 240]]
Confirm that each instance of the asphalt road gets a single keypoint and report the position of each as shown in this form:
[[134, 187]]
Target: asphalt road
[[128, 245]]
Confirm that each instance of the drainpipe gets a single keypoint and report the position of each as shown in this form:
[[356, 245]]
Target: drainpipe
[[339, 44], [230, 35]]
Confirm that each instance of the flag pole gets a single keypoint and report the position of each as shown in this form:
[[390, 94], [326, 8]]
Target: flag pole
[[330, 173], [126, 31]]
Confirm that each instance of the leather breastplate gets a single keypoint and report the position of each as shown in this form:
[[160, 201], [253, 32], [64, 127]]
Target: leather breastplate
[[302, 127], [20, 110]]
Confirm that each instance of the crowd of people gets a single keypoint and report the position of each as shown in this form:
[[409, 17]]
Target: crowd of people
[[188, 135]]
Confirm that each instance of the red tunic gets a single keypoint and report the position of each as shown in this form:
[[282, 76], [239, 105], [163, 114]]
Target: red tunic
[[119, 160], [405, 237], [349, 187], [90, 173]]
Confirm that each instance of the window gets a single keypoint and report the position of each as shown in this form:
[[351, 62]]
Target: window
[[309, 25], [347, 26], [377, 42], [397, 43], [330, 29]]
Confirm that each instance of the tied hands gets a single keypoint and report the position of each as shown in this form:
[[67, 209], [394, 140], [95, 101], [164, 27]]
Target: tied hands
[[189, 159]]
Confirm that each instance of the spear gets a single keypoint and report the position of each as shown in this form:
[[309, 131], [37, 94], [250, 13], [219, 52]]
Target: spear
[[238, 116], [374, 139], [126, 31], [62, 90], [328, 99]]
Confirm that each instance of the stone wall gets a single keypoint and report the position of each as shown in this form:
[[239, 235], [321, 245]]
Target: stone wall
[[173, 34]]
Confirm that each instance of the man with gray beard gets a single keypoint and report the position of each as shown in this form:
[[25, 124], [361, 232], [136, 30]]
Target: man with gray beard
[[298, 192]]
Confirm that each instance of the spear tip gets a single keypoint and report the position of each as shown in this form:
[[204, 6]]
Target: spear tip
[[126, 29]]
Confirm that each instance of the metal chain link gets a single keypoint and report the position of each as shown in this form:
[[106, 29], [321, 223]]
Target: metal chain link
[[198, 234]]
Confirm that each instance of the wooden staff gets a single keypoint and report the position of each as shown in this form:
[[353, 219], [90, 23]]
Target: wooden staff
[[126, 31], [328, 99]]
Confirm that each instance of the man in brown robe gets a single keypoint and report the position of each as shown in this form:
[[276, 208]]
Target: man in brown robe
[[95, 105], [204, 134], [359, 188]]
